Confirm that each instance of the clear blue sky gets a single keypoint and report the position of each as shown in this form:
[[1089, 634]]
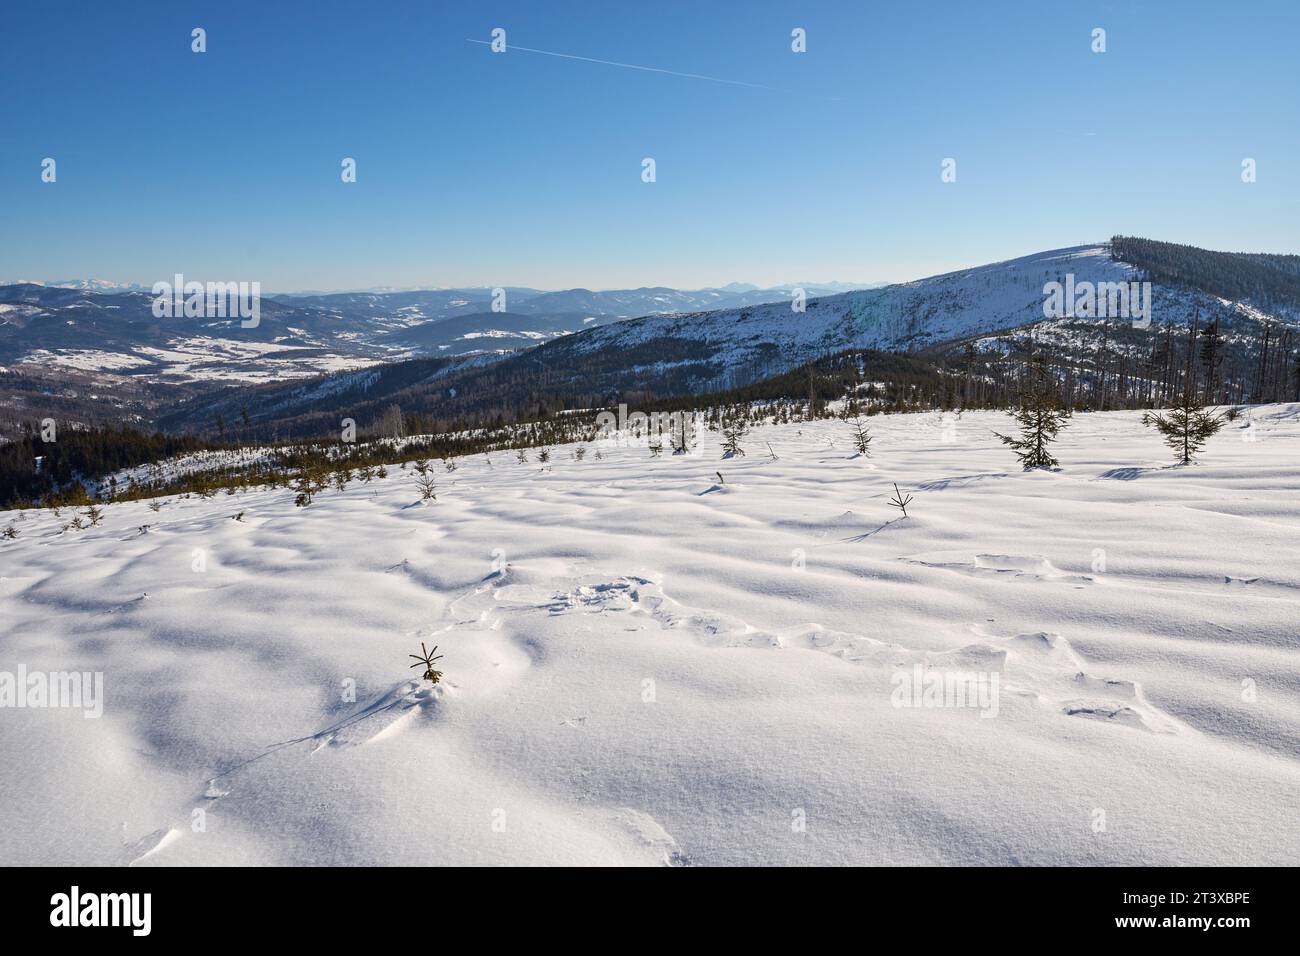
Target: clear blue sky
[[522, 169]]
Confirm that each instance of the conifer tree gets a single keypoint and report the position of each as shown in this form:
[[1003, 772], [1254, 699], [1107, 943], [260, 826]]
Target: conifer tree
[[1186, 427], [861, 437], [1039, 414], [428, 487], [734, 428], [304, 486]]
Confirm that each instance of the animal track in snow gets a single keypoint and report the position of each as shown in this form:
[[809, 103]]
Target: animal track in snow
[[641, 595], [1040, 666]]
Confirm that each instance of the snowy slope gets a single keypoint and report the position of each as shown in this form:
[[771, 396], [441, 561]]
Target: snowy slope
[[1003, 295], [643, 666]]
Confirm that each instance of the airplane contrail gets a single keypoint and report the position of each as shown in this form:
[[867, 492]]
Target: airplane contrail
[[628, 66]]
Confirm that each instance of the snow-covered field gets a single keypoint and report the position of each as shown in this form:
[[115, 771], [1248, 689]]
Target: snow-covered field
[[645, 667]]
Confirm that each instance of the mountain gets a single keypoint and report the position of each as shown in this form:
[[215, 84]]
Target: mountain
[[85, 285], [486, 331], [444, 355], [994, 310], [114, 332]]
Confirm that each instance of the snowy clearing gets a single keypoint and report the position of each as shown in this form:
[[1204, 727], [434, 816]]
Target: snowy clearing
[[643, 665]]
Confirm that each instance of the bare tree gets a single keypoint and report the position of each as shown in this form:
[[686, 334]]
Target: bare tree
[[390, 426], [683, 433]]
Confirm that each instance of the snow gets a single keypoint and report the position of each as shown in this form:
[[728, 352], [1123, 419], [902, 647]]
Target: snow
[[986, 300], [83, 359], [640, 669], [208, 359], [507, 334], [19, 309]]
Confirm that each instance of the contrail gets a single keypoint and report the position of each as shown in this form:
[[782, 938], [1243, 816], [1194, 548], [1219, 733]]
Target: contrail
[[628, 66]]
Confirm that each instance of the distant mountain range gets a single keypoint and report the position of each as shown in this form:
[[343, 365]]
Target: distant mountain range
[[94, 326], [997, 309], [444, 354], [108, 285], [90, 285]]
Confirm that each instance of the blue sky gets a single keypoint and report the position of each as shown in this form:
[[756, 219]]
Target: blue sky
[[477, 168]]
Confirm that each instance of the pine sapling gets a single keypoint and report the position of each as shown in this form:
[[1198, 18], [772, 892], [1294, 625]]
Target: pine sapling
[[1040, 417], [428, 487], [861, 436], [733, 430], [1186, 427], [426, 661], [900, 502], [303, 487]]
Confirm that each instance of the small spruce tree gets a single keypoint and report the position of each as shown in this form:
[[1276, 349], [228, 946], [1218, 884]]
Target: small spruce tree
[[1186, 427], [861, 437], [734, 429], [1040, 416], [428, 487], [303, 485]]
